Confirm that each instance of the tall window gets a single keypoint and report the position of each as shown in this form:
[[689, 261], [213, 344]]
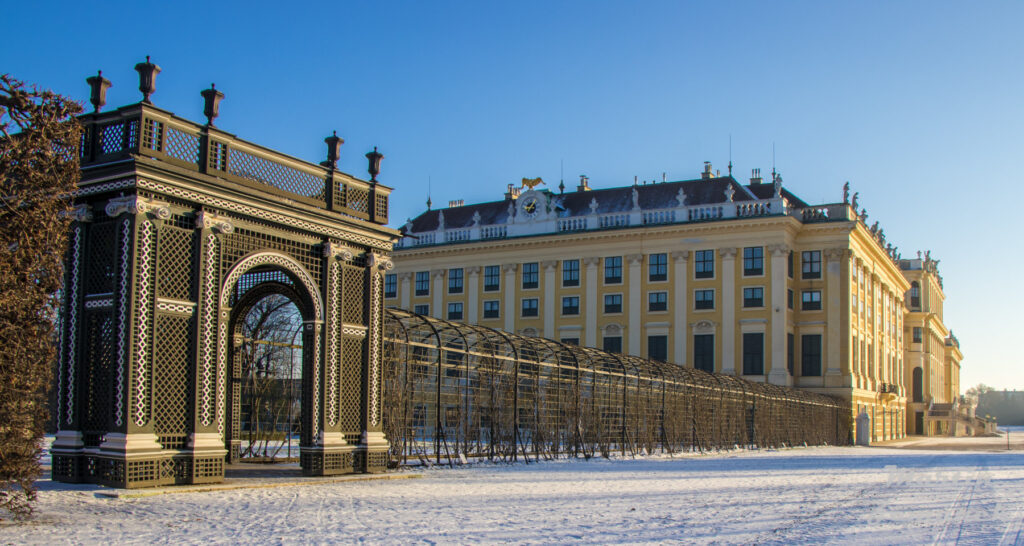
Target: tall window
[[390, 285], [570, 272], [810, 355], [455, 311], [530, 307], [455, 280], [421, 309], [810, 300], [657, 301], [491, 308], [753, 260], [918, 335], [918, 385], [571, 305], [530, 275], [753, 354], [422, 283], [657, 268], [753, 296], [613, 270], [789, 298], [657, 348], [612, 344], [789, 353], [704, 264], [811, 264], [704, 299], [704, 352], [492, 278], [789, 264], [613, 303], [915, 296]]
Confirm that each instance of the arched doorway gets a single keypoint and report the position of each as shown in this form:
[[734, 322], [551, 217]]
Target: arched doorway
[[267, 413]]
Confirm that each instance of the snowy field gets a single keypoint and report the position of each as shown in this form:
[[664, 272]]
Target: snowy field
[[876, 495]]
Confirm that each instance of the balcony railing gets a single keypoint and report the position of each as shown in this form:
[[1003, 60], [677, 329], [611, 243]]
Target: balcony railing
[[142, 130]]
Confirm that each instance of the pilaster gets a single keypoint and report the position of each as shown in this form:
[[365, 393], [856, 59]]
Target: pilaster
[[473, 296], [591, 303], [635, 282], [778, 373], [510, 296], [438, 292], [680, 274], [405, 289], [728, 256], [550, 268]]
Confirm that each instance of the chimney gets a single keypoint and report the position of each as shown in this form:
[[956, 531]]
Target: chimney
[[584, 183], [456, 203], [707, 170], [512, 193], [755, 176]]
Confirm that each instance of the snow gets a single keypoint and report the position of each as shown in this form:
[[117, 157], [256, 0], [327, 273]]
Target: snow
[[893, 494]]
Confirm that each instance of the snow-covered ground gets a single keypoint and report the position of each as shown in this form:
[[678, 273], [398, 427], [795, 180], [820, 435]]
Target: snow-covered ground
[[876, 495]]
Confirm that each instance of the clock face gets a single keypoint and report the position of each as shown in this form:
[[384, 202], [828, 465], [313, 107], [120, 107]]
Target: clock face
[[531, 207]]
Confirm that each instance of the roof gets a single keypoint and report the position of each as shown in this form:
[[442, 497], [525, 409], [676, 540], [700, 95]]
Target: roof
[[649, 196]]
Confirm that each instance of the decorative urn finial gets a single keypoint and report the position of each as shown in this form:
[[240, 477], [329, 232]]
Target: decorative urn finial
[[334, 143], [374, 158], [147, 78], [211, 106], [99, 86]]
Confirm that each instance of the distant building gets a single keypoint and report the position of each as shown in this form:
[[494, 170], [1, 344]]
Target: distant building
[[738, 278]]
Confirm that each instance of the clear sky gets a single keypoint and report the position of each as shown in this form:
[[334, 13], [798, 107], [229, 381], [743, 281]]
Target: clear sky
[[917, 104]]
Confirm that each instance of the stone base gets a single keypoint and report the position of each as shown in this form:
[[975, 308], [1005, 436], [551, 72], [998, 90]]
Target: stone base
[[167, 468], [372, 453], [327, 461]]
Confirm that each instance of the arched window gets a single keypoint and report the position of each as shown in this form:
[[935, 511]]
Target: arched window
[[915, 296], [918, 384]]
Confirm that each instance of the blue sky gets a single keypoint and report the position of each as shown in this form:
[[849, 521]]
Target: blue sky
[[917, 104]]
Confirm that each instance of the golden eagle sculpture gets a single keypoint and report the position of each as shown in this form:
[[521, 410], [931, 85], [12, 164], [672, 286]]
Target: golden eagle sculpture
[[532, 182]]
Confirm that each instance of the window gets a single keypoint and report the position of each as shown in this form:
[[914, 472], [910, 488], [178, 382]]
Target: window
[[753, 260], [812, 264], [657, 301], [704, 299], [492, 309], [390, 285], [704, 352], [570, 272], [704, 262], [657, 348], [613, 270], [789, 299], [455, 280], [915, 296], [570, 340], [810, 355], [571, 305], [657, 269], [917, 334], [613, 344], [789, 264], [811, 300], [492, 278], [917, 387], [753, 296], [530, 307], [790, 350], [530, 275], [613, 303], [753, 354], [421, 309], [455, 311], [422, 283]]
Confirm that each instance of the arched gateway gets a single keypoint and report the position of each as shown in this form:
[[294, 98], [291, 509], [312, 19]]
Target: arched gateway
[[178, 228]]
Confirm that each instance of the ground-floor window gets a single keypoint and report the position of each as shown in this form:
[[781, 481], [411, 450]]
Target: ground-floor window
[[753, 354], [657, 348], [704, 352], [810, 355]]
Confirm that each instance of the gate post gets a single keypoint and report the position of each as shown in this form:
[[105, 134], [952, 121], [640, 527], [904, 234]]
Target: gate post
[[373, 446]]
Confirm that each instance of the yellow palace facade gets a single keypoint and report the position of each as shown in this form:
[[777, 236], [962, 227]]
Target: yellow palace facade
[[743, 279]]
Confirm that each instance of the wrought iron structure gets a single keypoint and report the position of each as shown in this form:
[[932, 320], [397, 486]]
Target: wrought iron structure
[[179, 229], [456, 389]]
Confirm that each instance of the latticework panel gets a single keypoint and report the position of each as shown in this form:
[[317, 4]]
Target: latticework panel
[[356, 199], [243, 241], [153, 135], [175, 256], [97, 372], [101, 266], [353, 307], [172, 380], [181, 145], [218, 156], [274, 174], [252, 279], [350, 407]]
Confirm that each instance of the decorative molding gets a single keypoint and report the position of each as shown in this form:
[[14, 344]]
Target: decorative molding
[[92, 189], [280, 260], [99, 303], [727, 252], [681, 255], [473, 270], [379, 261], [122, 324], [612, 329], [704, 327], [834, 254], [405, 276], [217, 222], [185, 308], [549, 264], [635, 259], [506, 268], [144, 261], [592, 261], [78, 213], [76, 246], [133, 204], [209, 328], [437, 273], [353, 330], [779, 249]]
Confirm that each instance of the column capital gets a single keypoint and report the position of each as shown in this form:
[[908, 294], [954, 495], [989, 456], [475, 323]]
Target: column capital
[[834, 254], [437, 273], [635, 259], [727, 252], [380, 261], [592, 261], [133, 204], [337, 250], [507, 268], [549, 264], [79, 213], [681, 255], [473, 270], [217, 222], [779, 250], [405, 276]]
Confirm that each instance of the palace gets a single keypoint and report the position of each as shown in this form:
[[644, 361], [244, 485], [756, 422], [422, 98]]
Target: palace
[[711, 273]]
